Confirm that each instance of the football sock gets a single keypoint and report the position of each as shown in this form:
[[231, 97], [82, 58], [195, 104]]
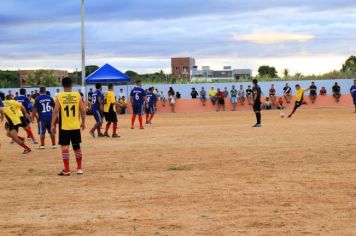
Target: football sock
[[151, 117], [53, 138], [42, 137], [29, 133], [114, 128], [133, 118], [140, 120], [78, 158], [65, 157], [107, 127]]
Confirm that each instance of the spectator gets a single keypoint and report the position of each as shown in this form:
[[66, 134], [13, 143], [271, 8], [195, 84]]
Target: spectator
[[212, 95], [336, 92], [163, 98], [90, 95], [57, 92], [225, 93], [323, 91], [172, 99], [121, 93], [272, 94], [194, 94], [37, 94], [280, 104], [123, 105], [16, 95], [178, 95], [221, 100], [241, 94], [268, 104], [353, 93], [203, 96], [313, 92], [233, 94], [249, 95], [171, 92], [287, 93], [10, 95]]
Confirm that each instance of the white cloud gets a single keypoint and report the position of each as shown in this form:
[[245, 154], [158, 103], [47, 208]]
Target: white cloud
[[270, 37]]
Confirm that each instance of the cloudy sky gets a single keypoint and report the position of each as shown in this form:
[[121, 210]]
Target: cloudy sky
[[307, 36]]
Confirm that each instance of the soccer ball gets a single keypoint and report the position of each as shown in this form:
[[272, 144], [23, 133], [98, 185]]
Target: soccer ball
[[282, 115]]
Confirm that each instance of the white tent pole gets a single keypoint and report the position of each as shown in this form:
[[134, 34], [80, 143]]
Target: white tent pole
[[83, 51]]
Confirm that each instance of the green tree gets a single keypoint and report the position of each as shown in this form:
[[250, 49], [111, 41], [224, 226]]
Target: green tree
[[42, 78], [90, 69], [285, 73], [349, 65], [133, 75], [9, 79], [267, 71]]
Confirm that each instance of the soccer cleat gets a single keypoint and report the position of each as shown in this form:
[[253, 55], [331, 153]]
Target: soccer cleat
[[26, 151], [116, 136], [80, 172], [92, 134], [35, 141], [101, 136], [257, 126], [147, 122], [41, 147], [54, 146], [141, 127], [62, 173], [106, 135], [132, 127]]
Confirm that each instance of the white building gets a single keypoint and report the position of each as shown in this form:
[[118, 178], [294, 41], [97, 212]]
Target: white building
[[227, 73]]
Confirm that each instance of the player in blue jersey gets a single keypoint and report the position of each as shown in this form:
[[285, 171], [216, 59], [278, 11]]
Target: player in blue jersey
[[44, 106], [26, 103], [137, 98], [97, 101], [353, 93], [150, 105]]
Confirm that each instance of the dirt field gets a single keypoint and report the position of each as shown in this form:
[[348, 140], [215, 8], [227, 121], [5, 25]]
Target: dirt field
[[192, 174]]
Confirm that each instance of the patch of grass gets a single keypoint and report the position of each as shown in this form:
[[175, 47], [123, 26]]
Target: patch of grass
[[178, 168]]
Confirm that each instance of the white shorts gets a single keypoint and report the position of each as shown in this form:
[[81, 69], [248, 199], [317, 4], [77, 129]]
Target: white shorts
[[234, 100]]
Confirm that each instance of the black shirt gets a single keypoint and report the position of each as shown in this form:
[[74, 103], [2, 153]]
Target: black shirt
[[287, 90], [248, 92], [257, 94], [313, 89], [336, 89], [194, 94]]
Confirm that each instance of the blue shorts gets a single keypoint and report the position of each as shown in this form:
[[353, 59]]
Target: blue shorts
[[150, 110], [234, 100], [44, 125], [98, 116], [137, 110]]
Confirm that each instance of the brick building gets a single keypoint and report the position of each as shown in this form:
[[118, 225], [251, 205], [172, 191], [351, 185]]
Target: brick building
[[182, 66], [24, 74]]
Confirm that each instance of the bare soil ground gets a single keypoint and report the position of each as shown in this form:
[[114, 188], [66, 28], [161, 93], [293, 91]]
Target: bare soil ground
[[192, 174]]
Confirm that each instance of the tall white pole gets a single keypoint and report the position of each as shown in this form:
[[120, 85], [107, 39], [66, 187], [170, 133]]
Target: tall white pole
[[83, 50]]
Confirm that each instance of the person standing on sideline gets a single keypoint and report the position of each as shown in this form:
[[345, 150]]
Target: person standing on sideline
[[256, 92], [70, 108], [110, 104], [313, 92], [249, 95], [225, 93], [44, 106], [241, 94], [353, 93], [203, 96], [137, 98], [221, 100], [233, 94], [337, 92], [96, 109], [194, 93]]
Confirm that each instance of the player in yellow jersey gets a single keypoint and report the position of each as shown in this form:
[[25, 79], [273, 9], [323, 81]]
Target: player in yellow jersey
[[13, 111], [299, 99], [110, 115], [70, 109]]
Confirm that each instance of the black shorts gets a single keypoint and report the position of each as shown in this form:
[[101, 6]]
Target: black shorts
[[257, 106], [313, 94], [66, 137], [24, 121], [110, 116], [10, 125], [221, 101], [298, 104]]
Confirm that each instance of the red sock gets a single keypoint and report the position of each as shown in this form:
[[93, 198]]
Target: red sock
[[140, 120], [99, 132], [53, 138], [107, 127], [22, 144], [29, 133], [114, 128], [65, 157], [151, 117], [21, 138], [42, 140], [78, 158], [133, 118]]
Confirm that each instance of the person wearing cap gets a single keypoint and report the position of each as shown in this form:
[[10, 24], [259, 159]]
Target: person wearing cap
[[194, 93]]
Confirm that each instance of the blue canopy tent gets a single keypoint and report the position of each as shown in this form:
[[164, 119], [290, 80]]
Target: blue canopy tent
[[107, 74]]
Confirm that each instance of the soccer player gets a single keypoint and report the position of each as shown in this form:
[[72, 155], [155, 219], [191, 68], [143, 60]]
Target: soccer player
[[96, 109], [44, 106], [69, 108], [353, 93], [256, 92], [150, 105], [110, 104], [299, 99], [25, 101], [13, 111], [137, 98], [233, 94]]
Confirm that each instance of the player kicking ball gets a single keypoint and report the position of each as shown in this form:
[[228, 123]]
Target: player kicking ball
[[299, 99], [13, 111], [69, 108], [138, 98], [150, 105], [44, 106]]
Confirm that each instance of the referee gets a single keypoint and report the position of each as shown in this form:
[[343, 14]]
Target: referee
[[256, 91]]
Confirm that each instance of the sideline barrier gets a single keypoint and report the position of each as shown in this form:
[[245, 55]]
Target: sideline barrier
[[194, 105]]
